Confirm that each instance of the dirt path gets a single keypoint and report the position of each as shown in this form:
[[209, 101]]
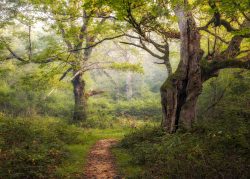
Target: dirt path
[[100, 162]]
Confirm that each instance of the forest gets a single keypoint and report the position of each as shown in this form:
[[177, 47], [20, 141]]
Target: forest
[[124, 89]]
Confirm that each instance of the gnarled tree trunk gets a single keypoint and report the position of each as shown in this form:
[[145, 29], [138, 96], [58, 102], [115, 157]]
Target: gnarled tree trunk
[[80, 113], [180, 91]]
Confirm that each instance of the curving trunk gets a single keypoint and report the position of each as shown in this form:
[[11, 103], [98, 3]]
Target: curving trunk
[[180, 91], [80, 113]]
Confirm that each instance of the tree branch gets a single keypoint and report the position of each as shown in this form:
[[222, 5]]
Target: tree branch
[[30, 44], [144, 48], [205, 27], [65, 74], [69, 45], [213, 34], [227, 25], [84, 25], [150, 51], [159, 63], [218, 100], [159, 47], [211, 68], [94, 92], [97, 43], [14, 54]]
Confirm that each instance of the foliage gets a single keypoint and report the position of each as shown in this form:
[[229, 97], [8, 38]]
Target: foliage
[[127, 67], [26, 91], [226, 96], [105, 113], [206, 152], [124, 164], [33, 148], [46, 147]]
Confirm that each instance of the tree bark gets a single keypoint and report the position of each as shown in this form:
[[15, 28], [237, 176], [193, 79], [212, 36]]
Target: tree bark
[[129, 89], [180, 91], [80, 109]]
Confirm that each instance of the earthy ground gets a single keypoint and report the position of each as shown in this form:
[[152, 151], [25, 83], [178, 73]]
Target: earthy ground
[[100, 162]]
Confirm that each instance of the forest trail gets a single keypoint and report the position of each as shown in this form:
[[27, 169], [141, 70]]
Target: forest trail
[[100, 162]]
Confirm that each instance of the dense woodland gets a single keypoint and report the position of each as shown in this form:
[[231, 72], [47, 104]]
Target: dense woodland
[[168, 80]]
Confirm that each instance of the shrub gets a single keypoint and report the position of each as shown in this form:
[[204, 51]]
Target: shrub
[[33, 148], [210, 150]]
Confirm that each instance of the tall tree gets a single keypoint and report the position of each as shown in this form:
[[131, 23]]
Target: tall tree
[[79, 36], [180, 91], [82, 25]]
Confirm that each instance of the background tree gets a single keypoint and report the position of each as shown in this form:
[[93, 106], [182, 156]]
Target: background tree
[[80, 24]]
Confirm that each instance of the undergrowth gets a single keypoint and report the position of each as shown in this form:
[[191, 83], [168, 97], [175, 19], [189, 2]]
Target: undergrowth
[[210, 150], [33, 148], [41, 147]]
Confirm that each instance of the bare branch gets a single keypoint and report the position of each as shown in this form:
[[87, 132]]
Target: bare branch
[[167, 33], [160, 63], [133, 44], [150, 51], [218, 100], [94, 92], [243, 51], [30, 45], [227, 25], [14, 54], [143, 47], [65, 74], [97, 43], [205, 27], [159, 47], [110, 77], [69, 45], [215, 35]]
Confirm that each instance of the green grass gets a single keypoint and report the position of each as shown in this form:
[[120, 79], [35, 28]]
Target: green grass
[[76, 159], [124, 163], [58, 149]]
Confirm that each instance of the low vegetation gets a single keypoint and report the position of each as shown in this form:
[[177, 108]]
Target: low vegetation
[[42, 147], [34, 147], [216, 147], [205, 152]]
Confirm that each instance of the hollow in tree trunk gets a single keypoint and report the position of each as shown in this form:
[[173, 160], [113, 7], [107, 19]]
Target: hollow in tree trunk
[[80, 113], [180, 91]]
